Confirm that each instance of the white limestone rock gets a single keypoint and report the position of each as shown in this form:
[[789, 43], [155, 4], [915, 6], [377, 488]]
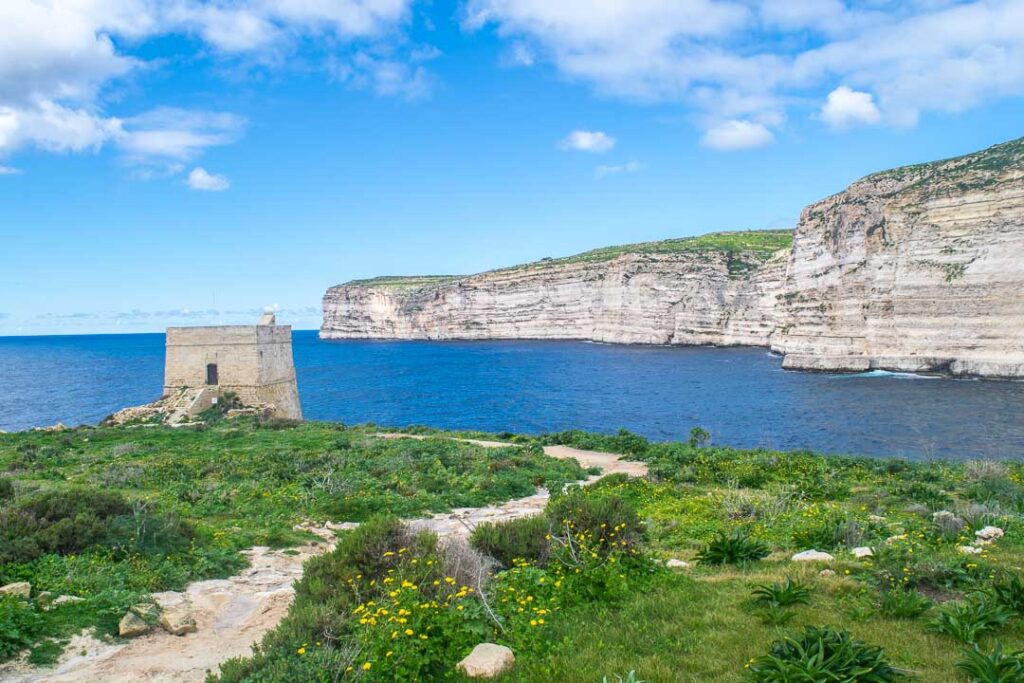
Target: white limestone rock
[[861, 552], [812, 556], [989, 534], [918, 269], [21, 589], [487, 660], [65, 600], [133, 626], [970, 550], [178, 620], [677, 564]]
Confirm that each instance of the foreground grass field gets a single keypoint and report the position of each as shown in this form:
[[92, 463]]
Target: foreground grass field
[[579, 594]]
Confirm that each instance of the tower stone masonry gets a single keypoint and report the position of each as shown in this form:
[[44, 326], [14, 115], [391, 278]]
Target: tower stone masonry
[[252, 361]]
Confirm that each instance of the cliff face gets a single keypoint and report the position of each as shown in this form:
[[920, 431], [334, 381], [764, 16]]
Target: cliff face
[[916, 269], [685, 297]]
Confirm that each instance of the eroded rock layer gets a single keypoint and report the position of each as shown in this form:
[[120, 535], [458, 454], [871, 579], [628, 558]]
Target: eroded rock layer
[[634, 298], [917, 269]]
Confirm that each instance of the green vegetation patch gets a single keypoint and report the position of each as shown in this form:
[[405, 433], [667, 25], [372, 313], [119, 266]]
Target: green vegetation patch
[[746, 250], [402, 282], [111, 514], [973, 171]]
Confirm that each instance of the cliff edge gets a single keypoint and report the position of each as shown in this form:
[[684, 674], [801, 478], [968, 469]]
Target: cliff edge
[[715, 289], [917, 269]]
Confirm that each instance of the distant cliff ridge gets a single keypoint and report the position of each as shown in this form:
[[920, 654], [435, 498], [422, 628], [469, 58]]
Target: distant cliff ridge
[[717, 289], [917, 269]]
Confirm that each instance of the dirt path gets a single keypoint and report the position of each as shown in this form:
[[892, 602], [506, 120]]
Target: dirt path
[[232, 614]]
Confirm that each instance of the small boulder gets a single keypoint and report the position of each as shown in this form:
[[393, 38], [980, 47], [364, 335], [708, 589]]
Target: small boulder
[[826, 573], [895, 539], [876, 519], [677, 564], [862, 551], [487, 660], [132, 626], [146, 610], [21, 589], [989, 533], [970, 550], [812, 556], [65, 600], [178, 621]]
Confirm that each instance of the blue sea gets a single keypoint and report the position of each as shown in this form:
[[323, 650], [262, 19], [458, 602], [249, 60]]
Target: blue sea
[[741, 396]]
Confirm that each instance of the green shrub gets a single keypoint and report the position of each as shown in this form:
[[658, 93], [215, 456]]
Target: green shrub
[[904, 604], [6, 489], [784, 594], [968, 619], [824, 654], [20, 625], [732, 549], [73, 520], [1007, 589], [607, 518], [994, 667], [831, 531], [526, 538]]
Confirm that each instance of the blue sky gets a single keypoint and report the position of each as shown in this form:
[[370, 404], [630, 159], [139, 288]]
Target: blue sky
[[180, 161]]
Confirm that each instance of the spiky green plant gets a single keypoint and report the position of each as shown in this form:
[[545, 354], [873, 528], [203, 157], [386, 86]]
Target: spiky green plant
[[783, 594], [824, 654], [992, 667], [968, 619], [904, 604], [732, 549]]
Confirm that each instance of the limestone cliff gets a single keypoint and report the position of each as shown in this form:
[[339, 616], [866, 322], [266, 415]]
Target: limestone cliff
[[917, 269], [718, 289]]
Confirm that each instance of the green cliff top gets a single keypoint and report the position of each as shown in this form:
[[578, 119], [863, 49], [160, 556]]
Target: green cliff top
[[758, 244], [987, 163]]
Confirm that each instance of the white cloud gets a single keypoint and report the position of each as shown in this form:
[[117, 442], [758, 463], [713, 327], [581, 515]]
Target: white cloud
[[201, 179], [751, 60], [60, 58], [629, 167], [846, 107], [383, 76], [9, 170], [595, 142], [178, 133], [735, 135]]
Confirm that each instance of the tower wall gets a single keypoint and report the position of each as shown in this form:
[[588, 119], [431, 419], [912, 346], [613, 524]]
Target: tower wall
[[253, 361]]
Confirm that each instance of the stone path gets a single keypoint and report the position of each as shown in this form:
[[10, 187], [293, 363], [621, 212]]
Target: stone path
[[232, 614]]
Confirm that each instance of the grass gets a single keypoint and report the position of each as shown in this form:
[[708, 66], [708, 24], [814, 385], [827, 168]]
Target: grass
[[238, 483], [746, 250], [231, 486], [401, 282]]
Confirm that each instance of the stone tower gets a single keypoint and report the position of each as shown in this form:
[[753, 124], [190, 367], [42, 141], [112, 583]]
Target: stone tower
[[252, 361]]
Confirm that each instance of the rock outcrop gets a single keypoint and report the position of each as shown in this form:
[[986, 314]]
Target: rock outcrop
[[658, 293], [919, 269]]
